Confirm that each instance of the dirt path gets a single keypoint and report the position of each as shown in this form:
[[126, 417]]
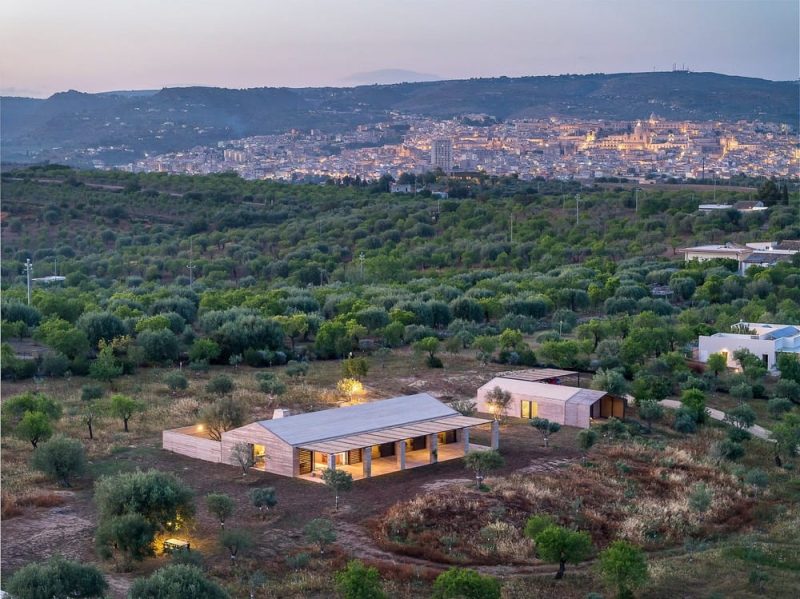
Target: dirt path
[[755, 430], [46, 531], [355, 539]]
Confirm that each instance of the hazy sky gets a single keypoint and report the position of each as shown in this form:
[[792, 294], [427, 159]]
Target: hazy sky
[[100, 45]]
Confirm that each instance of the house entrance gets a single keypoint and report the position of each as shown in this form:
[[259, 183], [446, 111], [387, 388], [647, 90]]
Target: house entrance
[[529, 409]]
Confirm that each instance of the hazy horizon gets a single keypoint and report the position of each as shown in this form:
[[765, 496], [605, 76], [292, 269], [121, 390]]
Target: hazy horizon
[[49, 46]]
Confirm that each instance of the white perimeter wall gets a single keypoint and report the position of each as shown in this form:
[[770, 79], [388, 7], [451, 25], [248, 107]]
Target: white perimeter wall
[[715, 345]]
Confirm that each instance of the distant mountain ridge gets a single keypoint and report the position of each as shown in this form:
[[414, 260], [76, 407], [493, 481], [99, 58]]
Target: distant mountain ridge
[[182, 117]]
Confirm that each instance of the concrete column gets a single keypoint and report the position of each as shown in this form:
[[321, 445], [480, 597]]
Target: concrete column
[[433, 448], [332, 461], [465, 439], [366, 461], [400, 454], [495, 434]]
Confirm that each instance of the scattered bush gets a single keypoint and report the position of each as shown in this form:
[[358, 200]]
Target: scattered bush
[[460, 583], [220, 385], [175, 381], [56, 577], [358, 581], [176, 582], [60, 458], [321, 532]]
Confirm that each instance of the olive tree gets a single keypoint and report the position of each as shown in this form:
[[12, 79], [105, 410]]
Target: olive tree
[[242, 454], [222, 415], [358, 581], [559, 545], [461, 583], [650, 411], [321, 532], [483, 462], [263, 498], [124, 407], [623, 566], [57, 577], [220, 505], [177, 581], [498, 401], [546, 428], [236, 541], [337, 481], [127, 536], [60, 458], [161, 498]]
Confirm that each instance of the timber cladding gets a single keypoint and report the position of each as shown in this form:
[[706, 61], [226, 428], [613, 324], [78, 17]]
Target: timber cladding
[[279, 456], [193, 446]]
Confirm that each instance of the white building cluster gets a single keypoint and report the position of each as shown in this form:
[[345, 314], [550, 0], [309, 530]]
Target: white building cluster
[[552, 148]]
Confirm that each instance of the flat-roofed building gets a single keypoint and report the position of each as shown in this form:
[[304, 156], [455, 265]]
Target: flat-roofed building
[[766, 341]]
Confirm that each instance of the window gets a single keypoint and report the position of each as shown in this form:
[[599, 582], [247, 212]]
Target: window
[[529, 409], [259, 455], [765, 359]]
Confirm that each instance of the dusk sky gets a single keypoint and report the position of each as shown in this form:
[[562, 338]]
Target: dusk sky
[[100, 45]]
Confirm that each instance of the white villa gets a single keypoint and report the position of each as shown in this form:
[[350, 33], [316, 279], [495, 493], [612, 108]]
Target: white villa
[[763, 340], [761, 253]]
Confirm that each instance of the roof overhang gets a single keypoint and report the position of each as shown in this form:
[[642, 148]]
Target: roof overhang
[[393, 434]]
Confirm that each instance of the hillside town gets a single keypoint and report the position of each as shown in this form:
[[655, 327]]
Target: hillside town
[[645, 150]]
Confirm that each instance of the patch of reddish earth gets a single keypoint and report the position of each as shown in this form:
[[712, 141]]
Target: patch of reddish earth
[[69, 529], [66, 530]]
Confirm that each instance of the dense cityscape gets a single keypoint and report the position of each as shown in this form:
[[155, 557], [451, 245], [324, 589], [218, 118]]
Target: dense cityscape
[[553, 148]]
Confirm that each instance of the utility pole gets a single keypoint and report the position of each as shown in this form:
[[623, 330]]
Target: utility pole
[[191, 266], [511, 222], [361, 261], [636, 198], [715, 187], [28, 272], [577, 207]]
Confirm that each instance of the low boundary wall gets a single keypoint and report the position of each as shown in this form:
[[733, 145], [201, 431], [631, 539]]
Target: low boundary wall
[[186, 441]]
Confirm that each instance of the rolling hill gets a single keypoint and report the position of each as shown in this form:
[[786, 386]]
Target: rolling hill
[[179, 118]]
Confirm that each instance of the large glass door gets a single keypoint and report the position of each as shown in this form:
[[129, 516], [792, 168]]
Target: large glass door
[[529, 409]]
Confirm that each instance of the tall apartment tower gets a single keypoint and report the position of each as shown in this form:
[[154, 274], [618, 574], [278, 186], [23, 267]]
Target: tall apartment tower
[[442, 154]]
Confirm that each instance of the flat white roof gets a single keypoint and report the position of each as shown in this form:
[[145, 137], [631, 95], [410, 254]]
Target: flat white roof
[[303, 429]]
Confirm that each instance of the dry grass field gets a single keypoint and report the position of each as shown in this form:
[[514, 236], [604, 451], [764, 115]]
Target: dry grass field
[[414, 524]]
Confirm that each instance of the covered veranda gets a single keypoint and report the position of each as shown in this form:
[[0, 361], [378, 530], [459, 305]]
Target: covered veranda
[[394, 449]]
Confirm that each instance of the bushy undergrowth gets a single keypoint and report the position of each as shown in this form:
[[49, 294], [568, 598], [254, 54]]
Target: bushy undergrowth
[[645, 502]]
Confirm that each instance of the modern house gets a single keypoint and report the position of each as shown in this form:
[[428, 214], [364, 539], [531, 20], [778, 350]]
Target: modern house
[[763, 253], [547, 398], [365, 440], [763, 340]]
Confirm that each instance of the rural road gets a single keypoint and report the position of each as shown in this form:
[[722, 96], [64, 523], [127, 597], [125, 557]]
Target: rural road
[[755, 430]]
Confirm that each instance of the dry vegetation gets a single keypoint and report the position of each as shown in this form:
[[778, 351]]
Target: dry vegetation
[[632, 490], [628, 491]]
